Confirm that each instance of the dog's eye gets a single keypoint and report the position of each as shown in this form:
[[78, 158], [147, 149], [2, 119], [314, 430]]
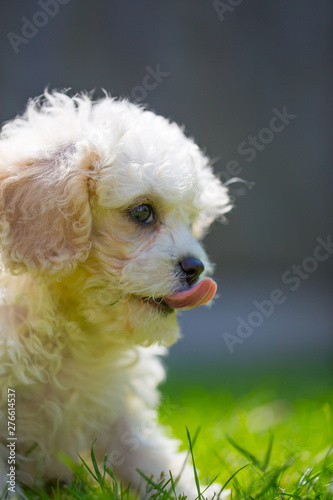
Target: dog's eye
[[142, 213]]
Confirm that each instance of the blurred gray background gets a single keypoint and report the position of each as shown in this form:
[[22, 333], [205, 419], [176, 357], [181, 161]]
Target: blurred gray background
[[224, 69]]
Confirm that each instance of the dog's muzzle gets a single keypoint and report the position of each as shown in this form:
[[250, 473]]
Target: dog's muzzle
[[194, 296]]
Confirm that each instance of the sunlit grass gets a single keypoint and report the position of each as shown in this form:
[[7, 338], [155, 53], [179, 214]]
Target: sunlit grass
[[281, 430], [279, 440], [271, 439]]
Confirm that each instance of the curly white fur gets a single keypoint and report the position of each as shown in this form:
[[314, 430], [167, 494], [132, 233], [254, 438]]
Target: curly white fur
[[76, 342]]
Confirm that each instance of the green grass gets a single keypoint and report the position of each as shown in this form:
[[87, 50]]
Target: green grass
[[283, 442], [268, 438]]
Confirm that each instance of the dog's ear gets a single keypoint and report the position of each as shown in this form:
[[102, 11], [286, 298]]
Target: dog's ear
[[214, 201], [45, 217]]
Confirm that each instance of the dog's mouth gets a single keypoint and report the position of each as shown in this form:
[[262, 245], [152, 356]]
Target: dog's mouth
[[157, 304], [197, 295]]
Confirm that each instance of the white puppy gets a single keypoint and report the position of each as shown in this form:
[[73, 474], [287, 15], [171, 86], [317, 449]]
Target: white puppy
[[102, 205]]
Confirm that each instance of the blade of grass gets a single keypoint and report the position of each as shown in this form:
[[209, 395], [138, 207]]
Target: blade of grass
[[244, 452], [290, 495], [231, 477], [151, 482], [88, 468], [173, 485], [97, 471], [268, 452], [104, 466], [320, 472], [304, 478], [271, 477], [193, 462], [110, 473], [187, 456], [31, 449], [210, 484]]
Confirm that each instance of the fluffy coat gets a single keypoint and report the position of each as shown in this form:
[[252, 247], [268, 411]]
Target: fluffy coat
[[80, 334]]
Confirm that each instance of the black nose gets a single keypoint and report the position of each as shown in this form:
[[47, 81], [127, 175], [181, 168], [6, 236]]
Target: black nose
[[192, 268]]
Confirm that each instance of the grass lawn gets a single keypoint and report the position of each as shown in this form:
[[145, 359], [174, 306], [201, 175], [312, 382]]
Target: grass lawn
[[279, 427], [274, 427]]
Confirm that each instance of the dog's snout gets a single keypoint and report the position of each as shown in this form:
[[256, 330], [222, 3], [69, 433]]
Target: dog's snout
[[192, 267]]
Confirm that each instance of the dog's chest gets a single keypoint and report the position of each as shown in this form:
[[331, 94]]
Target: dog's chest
[[84, 399]]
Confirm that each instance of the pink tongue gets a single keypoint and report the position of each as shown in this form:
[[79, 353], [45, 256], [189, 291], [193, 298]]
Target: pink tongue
[[198, 295]]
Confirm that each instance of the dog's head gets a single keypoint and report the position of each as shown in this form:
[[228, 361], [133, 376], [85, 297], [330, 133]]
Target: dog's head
[[111, 200]]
